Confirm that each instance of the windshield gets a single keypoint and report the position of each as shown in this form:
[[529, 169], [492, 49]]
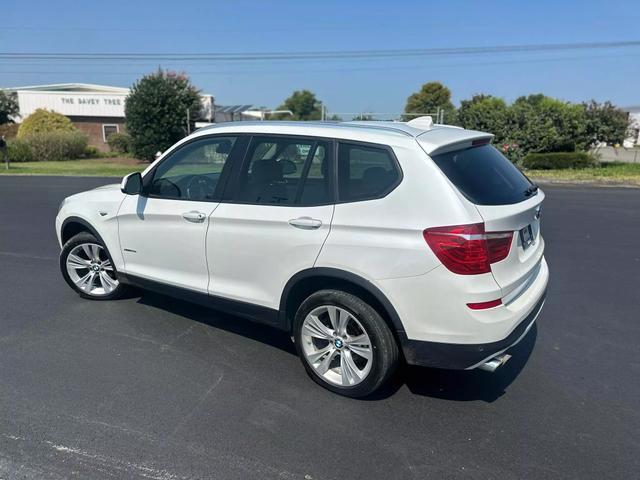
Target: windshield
[[485, 176]]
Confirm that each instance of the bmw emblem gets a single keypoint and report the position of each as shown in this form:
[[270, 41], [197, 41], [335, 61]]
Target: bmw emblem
[[338, 343]]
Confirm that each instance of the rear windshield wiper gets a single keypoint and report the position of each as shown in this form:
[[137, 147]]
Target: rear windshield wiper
[[531, 190]]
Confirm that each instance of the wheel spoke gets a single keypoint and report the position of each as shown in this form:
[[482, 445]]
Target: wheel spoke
[[86, 283], [77, 263], [361, 350], [95, 253], [343, 319], [107, 282], [333, 316], [86, 248], [317, 355], [324, 364], [106, 265], [350, 372], [315, 328]]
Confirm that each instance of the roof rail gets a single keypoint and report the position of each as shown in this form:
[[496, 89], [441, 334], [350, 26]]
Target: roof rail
[[395, 127], [409, 129]]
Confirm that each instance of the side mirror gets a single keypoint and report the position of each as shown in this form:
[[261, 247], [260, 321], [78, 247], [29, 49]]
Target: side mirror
[[132, 184]]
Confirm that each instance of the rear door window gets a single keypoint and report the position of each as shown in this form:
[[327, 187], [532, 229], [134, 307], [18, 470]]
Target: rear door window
[[484, 176], [286, 171]]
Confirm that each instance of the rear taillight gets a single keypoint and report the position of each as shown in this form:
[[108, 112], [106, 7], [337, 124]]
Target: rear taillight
[[468, 249]]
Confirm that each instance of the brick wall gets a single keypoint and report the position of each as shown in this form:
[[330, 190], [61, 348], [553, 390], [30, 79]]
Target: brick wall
[[93, 126]]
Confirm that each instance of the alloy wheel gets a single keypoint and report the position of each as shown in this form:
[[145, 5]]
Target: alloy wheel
[[90, 269], [336, 345]]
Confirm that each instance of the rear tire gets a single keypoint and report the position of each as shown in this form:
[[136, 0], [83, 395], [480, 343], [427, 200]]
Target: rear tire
[[344, 343], [88, 268]]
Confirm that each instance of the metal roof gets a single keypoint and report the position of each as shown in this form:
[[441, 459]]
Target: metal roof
[[232, 108], [71, 87]]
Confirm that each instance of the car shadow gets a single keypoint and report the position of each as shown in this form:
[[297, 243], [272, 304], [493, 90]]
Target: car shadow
[[464, 385], [455, 385], [216, 319]]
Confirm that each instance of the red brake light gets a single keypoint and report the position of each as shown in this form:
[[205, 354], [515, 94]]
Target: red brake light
[[468, 249], [480, 141]]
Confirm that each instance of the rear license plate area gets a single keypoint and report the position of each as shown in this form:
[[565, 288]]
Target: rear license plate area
[[526, 237]]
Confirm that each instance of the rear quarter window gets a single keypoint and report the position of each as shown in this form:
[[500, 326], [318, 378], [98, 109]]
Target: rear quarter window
[[365, 172], [484, 176]]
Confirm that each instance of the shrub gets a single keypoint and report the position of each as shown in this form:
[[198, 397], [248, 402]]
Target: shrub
[[45, 121], [54, 146], [94, 152], [156, 112], [559, 160], [91, 152], [119, 142], [19, 151], [9, 130]]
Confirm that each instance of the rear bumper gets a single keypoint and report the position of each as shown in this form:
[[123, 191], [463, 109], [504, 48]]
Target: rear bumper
[[466, 356]]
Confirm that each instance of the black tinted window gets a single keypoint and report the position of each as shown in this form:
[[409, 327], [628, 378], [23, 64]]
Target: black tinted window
[[285, 171], [365, 172], [484, 175], [192, 172]]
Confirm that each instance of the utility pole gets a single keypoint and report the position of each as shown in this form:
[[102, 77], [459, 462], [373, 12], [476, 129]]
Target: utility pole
[[188, 123], [322, 117]]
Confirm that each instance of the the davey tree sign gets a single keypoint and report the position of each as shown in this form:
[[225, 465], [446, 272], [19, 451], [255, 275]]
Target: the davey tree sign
[[92, 101]]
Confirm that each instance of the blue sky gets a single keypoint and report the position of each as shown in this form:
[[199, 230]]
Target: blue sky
[[380, 85]]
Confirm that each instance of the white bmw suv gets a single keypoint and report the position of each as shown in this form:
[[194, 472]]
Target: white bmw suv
[[370, 242]]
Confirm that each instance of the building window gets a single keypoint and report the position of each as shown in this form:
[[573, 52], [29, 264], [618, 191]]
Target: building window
[[108, 130]]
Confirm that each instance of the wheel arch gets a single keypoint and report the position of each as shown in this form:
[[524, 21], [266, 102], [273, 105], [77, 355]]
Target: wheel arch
[[74, 225], [305, 282]]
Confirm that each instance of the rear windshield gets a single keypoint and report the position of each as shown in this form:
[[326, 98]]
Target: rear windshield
[[484, 176]]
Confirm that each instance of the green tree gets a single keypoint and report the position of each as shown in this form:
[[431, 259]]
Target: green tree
[[538, 123], [605, 122], [303, 104], [8, 107], [156, 112], [432, 95], [45, 121], [485, 113]]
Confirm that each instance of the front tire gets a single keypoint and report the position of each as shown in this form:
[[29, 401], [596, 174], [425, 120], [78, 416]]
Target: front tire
[[87, 267], [344, 343]]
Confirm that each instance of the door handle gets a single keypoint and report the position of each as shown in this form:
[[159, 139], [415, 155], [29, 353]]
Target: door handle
[[194, 217], [306, 223]]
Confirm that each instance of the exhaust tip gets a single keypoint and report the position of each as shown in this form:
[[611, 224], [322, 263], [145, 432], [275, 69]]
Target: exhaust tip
[[493, 364]]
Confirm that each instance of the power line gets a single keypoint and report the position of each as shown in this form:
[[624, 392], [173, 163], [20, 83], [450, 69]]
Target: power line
[[320, 55], [280, 71]]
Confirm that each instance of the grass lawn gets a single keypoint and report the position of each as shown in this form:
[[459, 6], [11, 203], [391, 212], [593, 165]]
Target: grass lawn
[[100, 167], [606, 173]]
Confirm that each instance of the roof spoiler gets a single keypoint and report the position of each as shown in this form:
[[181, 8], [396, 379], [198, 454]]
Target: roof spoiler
[[441, 140]]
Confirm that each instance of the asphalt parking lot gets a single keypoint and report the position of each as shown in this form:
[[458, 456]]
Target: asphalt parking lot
[[150, 387]]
